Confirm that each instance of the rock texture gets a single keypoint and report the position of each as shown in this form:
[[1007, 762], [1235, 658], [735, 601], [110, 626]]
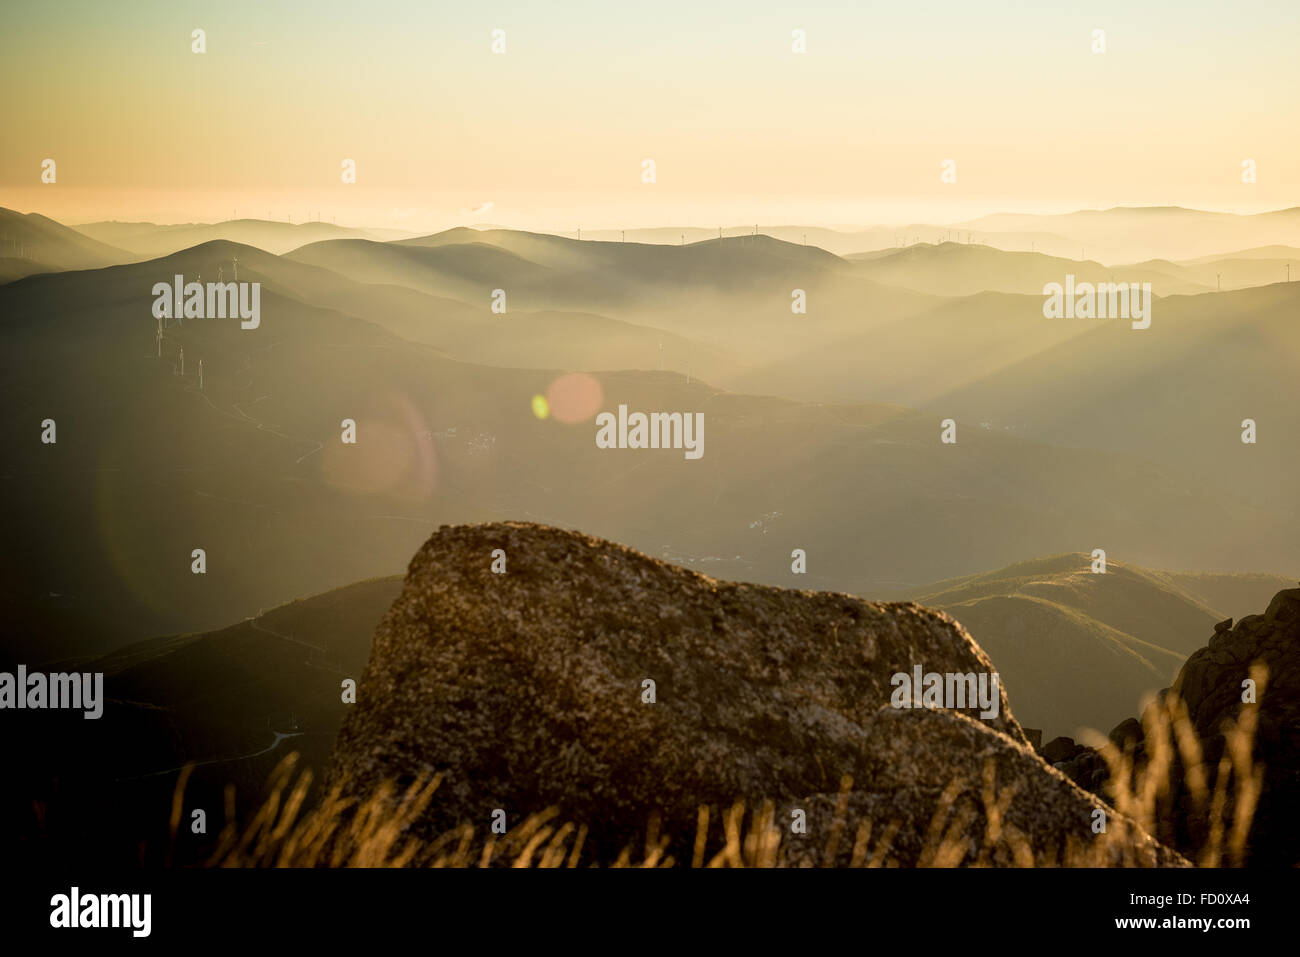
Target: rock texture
[[1210, 684], [948, 791], [527, 689]]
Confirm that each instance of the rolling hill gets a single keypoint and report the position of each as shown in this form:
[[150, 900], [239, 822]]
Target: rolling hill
[[40, 244], [1080, 650], [1259, 267], [151, 240], [849, 241], [1127, 234], [731, 299], [544, 271], [1122, 234], [957, 269], [1176, 393]]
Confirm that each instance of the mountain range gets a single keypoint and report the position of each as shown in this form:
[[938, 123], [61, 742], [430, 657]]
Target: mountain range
[[806, 446]]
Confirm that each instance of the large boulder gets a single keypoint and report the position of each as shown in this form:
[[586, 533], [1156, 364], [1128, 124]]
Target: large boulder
[[528, 689]]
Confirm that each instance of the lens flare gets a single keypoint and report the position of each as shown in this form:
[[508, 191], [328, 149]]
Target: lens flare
[[574, 397]]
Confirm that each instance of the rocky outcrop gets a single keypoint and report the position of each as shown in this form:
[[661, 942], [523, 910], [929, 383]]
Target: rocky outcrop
[[1212, 685], [589, 677]]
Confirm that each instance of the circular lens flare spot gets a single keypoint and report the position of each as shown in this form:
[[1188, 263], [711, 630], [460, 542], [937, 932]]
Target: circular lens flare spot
[[541, 408], [574, 397]]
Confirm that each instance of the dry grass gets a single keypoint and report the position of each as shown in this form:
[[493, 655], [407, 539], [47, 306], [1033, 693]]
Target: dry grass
[[376, 832], [1222, 804]]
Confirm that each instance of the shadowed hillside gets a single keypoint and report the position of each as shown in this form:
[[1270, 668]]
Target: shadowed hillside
[[232, 702], [31, 243]]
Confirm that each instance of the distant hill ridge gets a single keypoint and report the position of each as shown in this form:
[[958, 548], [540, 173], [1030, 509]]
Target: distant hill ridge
[[1079, 648], [152, 239]]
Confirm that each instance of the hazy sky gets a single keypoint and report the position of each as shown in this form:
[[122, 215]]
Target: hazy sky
[[553, 132]]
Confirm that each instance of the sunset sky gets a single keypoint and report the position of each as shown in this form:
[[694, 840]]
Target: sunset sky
[[553, 132]]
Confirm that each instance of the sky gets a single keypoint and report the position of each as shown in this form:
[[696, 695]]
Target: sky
[[553, 133]]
